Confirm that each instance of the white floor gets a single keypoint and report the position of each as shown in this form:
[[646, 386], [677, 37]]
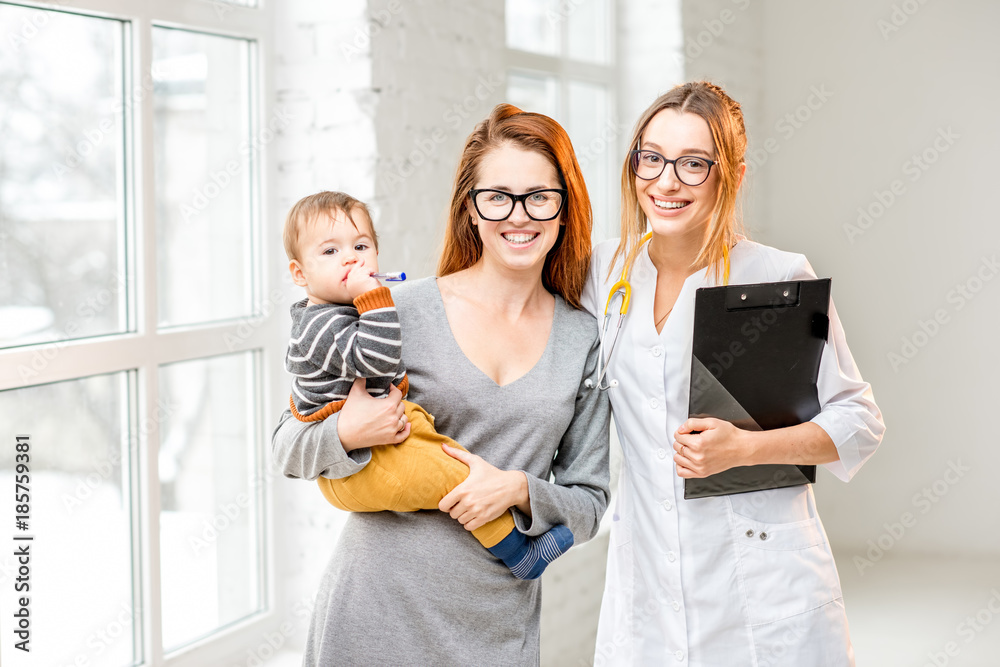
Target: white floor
[[903, 611], [923, 611]]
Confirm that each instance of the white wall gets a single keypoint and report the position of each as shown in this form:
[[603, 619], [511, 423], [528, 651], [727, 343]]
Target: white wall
[[722, 44], [893, 96], [839, 98]]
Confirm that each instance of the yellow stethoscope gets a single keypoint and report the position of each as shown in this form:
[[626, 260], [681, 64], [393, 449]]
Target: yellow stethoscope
[[623, 290]]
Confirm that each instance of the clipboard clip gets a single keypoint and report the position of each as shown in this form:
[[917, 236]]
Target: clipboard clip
[[764, 295], [773, 295]]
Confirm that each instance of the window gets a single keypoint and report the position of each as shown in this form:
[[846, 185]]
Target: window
[[62, 178], [134, 338], [561, 64], [201, 130]]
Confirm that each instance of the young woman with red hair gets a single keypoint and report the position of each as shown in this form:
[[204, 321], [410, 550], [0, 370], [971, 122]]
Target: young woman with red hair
[[498, 350]]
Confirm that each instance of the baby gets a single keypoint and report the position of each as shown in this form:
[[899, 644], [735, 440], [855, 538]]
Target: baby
[[348, 328]]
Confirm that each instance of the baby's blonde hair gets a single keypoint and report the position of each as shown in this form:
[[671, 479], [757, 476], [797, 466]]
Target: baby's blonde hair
[[308, 209]]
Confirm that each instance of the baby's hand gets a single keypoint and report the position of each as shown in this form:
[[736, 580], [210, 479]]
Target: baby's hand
[[359, 280]]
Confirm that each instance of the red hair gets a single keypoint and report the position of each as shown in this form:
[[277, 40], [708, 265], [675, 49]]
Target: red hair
[[566, 266]]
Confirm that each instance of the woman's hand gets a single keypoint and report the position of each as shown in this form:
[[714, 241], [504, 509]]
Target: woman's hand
[[719, 446], [366, 421], [485, 494]]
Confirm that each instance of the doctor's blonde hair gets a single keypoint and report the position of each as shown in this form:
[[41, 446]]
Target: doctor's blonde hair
[[725, 120]]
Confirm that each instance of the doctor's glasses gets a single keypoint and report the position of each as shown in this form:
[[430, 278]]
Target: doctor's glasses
[[690, 169]]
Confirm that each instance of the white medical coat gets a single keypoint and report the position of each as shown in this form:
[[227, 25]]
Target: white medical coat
[[690, 582]]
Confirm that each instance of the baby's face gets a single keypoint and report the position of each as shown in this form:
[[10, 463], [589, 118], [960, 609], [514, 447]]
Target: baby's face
[[328, 249]]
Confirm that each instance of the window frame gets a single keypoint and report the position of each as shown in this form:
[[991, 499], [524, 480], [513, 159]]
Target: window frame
[[143, 347]]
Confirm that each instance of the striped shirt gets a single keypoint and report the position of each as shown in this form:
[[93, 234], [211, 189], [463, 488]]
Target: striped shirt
[[333, 344]]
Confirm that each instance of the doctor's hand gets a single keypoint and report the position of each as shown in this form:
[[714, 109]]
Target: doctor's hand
[[485, 494], [718, 446], [366, 421]]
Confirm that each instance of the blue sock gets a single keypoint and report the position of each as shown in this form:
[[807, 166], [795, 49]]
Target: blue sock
[[527, 557]]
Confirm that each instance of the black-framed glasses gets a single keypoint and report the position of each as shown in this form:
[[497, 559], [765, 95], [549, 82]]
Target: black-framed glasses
[[690, 169], [497, 205]]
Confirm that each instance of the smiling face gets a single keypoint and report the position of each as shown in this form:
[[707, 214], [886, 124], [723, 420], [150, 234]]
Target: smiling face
[[517, 243], [328, 248], [672, 207]]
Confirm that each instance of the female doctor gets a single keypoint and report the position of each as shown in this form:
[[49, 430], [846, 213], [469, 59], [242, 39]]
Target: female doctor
[[746, 579]]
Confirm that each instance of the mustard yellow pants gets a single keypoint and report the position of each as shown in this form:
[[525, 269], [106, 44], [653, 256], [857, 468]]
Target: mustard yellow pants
[[413, 475]]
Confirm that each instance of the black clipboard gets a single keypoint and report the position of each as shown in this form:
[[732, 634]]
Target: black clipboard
[[754, 362]]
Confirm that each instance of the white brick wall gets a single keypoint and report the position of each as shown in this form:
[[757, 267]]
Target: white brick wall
[[322, 72]]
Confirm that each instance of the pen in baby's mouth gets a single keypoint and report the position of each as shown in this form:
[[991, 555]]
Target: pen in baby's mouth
[[391, 276]]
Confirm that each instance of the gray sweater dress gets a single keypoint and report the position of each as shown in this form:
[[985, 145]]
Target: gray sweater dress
[[416, 588]]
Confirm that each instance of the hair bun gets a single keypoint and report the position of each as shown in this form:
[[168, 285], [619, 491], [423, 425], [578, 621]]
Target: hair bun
[[504, 111]]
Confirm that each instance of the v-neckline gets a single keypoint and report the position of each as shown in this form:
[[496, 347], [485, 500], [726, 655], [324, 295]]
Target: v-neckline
[[480, 371], [703, 273]]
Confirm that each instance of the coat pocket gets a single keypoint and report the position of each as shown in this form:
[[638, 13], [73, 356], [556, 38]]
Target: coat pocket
[[786, 568]]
